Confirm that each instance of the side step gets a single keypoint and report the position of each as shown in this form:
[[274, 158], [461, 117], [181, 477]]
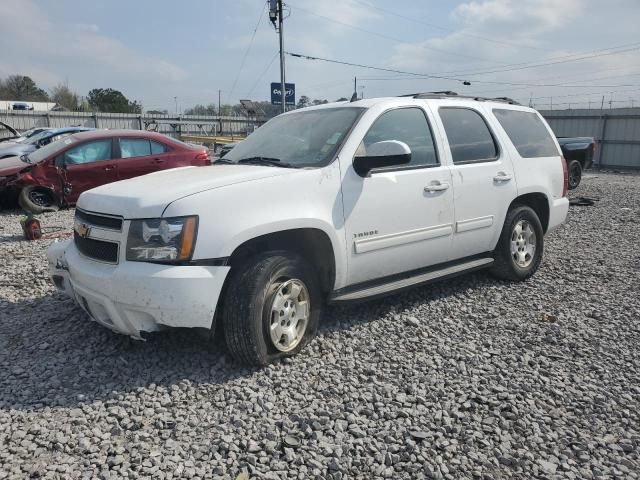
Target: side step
[[407, 282]]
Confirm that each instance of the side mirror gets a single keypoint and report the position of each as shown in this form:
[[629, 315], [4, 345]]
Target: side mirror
[[382, 154]]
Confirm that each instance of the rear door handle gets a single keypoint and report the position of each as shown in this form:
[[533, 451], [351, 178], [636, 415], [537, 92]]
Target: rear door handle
[[502, 177], [436, 187], [158, 160], [109, 168]]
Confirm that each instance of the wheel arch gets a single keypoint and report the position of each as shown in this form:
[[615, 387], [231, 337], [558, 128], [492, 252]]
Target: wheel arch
[[538, 202], [311, 243]]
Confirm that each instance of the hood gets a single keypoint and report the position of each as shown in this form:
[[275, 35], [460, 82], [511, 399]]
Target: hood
[[15, 148], [11, 166], [148, 196]]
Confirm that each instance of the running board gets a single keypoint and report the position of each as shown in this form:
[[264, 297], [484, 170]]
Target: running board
[[407, 282]]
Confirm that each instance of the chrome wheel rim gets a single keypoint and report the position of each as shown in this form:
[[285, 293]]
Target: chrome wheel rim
[[523, 243], [290, 310]]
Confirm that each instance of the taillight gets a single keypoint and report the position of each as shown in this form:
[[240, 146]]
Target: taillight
[[565, 174], [203, 157]]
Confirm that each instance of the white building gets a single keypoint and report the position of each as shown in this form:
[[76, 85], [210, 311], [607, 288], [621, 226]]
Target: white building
[[34, 106]]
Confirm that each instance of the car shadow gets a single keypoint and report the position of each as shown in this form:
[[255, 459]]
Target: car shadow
[[52, 355]]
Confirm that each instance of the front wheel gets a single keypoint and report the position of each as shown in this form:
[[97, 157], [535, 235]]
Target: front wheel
[[272, 308], [519, 251], [575, 174], [37, 200]]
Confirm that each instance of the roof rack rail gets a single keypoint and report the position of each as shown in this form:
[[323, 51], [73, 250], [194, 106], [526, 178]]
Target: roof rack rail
[[447, 93]]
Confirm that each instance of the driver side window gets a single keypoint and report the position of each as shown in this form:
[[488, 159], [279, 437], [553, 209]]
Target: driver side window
[[89, 152], [408, 125]]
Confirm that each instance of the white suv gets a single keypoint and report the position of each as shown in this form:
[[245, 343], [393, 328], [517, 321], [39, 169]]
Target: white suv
[[340, 202]]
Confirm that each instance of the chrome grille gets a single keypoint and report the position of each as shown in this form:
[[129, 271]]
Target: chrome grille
[[99, 220]]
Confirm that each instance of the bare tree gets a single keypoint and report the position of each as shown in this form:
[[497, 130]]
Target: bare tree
[[62, 95]]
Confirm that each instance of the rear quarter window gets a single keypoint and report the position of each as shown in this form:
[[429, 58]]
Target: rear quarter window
[[527, 133]]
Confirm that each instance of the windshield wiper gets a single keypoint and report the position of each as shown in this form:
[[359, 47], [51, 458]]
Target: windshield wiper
[[224, 160], [275, 162]]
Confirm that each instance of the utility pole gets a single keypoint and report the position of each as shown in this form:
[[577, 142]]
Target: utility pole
[[175, 99], [282, 76], [219, 102], [602, 104]]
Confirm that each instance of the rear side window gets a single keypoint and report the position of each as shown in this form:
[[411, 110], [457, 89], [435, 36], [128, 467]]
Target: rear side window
[[408, 125], [469, 137], [527, 133], [134, 147], [157, 148]]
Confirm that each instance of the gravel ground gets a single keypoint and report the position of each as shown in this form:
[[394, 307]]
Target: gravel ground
[[470, 378]]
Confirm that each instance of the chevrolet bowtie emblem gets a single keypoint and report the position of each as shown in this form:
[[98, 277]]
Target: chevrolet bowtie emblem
[[83, 230]]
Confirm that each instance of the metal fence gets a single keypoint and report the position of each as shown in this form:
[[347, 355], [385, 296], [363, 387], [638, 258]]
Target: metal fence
[[617, 133], [172, 125]]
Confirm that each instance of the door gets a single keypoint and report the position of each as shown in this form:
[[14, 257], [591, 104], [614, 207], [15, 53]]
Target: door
[[483, 180], [87, 166], [139, 156], [399, 218]]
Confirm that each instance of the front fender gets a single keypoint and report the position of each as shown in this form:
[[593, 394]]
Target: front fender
[[232, 215]]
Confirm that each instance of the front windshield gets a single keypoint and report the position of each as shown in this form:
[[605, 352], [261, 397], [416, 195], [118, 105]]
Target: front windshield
[[49, 150], [34, 138], [300, 139]]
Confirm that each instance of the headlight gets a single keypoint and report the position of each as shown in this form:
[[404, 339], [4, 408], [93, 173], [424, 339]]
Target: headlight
[[164, 240]]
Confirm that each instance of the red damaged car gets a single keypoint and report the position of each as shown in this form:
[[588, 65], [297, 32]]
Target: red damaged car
[[54, 176]]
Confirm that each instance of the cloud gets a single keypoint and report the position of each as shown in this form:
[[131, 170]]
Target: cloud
[[62, 49], [491, 33], [524, 17]]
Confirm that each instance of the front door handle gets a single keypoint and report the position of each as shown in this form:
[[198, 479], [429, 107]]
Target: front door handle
[[436, 187], [158, 160], [502, 177], [109, 168]]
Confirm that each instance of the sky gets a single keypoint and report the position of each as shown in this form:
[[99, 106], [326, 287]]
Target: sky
[[156, 50]]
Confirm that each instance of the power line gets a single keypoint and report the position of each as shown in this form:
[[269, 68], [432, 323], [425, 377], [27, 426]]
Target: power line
[[439, 77], [525, 66], [275, 55], [246, 52]]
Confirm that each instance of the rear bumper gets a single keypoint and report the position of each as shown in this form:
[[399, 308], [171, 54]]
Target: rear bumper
[[135, 297], [558, 213]]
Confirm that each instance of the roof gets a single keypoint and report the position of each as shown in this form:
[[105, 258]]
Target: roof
[[88, 135], [417, 98]]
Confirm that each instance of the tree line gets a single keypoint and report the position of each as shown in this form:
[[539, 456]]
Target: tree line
[[109, 100], [23, 88]]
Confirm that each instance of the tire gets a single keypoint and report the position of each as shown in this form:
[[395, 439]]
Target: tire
[[520, 264], [575, 174], [37, 200], [250, 318]]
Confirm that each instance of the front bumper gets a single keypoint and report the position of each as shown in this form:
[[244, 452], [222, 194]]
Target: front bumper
[[135, 297]]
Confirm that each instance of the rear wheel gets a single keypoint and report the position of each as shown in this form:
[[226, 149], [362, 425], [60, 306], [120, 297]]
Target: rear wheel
[[37, 200], [575, 174], [272, 308], [519, 251]]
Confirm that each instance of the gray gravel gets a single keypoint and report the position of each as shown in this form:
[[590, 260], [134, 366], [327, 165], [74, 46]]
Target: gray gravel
[[471, 378]]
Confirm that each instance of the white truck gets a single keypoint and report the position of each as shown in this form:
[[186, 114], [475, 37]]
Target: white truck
[[339, 202]]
